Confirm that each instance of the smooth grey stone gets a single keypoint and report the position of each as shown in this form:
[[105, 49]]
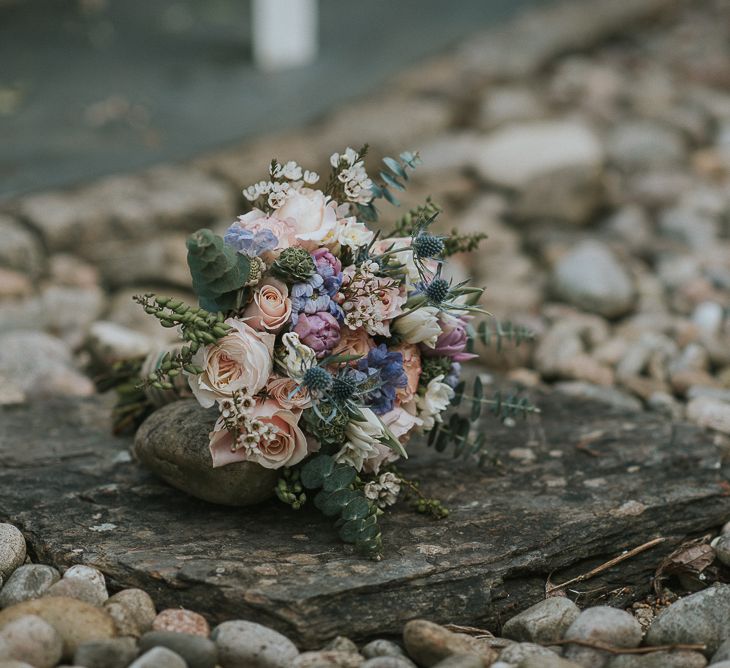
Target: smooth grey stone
[[243, 643], [544, 622], [159, 657], [110, 653], [173, 443], [27, 582], [381, 647], [197, 651], [659, 660], [12, 549], [520, 651], [605, 625]]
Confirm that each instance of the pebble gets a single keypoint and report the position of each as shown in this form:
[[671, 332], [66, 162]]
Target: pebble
[[159, 657], [544, 622], [381, 647], [698, 618], [10, 663], [134, 607], [722, 653], [27, 582], [514, 154], [198, 652], [242, 643], [591, 277], [710, 413], [549, 662], [461, 661], [30, 638], [109, 342], [679, 659], [341, 644], [12, 549], [180, 620], [641, 144], [389, 662], [82, 582], [520, 651], [77, 622], [721, 545], [428, 643], [605, 625], [110, 653], [328, 659], [708, 316]]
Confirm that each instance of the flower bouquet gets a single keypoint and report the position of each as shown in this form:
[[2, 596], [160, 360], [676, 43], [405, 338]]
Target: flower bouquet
[[324, 345]]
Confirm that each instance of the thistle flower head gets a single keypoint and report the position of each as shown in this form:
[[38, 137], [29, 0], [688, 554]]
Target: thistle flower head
[[427, 246], [317, 379], [437, 290]]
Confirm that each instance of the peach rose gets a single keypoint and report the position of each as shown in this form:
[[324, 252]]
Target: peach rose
[[280, 390], [310, 214], [286, 444], [240, 360], [271, 307], [412, 367], [355, 342]]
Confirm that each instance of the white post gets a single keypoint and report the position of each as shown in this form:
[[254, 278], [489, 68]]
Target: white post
[[285, 33]]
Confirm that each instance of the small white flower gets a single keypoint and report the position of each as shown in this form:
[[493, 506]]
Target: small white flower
[[436, 399], [419, 326], [310, 178], [362, 437]]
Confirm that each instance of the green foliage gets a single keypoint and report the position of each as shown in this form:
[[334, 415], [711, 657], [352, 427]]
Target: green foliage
[[455, 242], [219, 273], [198, 327], [329, 432], [289, 489], [293, 265], [339, 498], [500, 333], [132, 405], [391, 178], [407, 224], [431, 367]]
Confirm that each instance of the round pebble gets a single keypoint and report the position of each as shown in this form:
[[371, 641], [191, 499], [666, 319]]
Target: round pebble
[[180, 620], [460, 661], [381, 647], [77, 622], [124, 622], [11, 663], [12, 549], [543, 622], [78, 589], [139, 606], [428, 643], [92, 578], [198, 652], [159, 657], [27, 582], [602, 624], [327, 659], [31, 639], [341, 644], [389, 662], [249, 644], [110, 653]]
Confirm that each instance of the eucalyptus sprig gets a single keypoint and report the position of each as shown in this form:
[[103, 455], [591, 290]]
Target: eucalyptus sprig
[[197, 326]]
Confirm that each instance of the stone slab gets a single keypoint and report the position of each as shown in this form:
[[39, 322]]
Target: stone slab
[[593, 481]]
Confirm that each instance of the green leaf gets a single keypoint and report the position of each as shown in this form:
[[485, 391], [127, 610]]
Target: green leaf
[[332, 503], [215, 267], [342, 476], [350, 531], [393, 183], [458, 394], [476, 405], [316, 470], [396, 168]]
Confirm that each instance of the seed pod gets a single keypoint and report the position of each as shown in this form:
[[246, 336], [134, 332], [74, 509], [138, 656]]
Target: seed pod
[[150, 310], [162, 301], [174, 304], [167, 323], [191, 368], [173, 372], [219, 331]]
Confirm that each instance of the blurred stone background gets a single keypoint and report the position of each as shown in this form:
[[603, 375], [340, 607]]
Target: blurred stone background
[[590, 140]]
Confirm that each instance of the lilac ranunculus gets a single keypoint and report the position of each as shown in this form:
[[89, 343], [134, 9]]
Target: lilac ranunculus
[[330, 269], [320, 331], [452, 341], [311, 296]]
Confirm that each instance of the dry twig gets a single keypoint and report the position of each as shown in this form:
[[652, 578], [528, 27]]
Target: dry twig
[[550, 588]]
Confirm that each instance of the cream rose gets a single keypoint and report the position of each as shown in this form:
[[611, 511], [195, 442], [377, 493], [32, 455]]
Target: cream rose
[[311, 215], [419, 326], [285, 445], [271, 307], [285, 393], [240, 360]]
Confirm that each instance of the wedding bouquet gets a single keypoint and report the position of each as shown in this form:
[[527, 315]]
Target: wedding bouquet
[[324, 345]]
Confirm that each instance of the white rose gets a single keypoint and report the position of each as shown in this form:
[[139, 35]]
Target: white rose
[[353, 234], [241, 360], [400, 422], [436, 399], [310, 213], [419, 326]]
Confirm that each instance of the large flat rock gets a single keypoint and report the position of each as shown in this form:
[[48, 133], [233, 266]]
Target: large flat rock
[[601, 480]]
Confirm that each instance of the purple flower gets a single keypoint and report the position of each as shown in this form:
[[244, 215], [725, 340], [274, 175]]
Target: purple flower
[[330, 269], [452, 379], [452, 341], [312, 297], [320, 331], [248, 242], [389, 367]]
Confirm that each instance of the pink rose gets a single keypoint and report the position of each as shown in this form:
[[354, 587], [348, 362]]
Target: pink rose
[[311, 215], [355, 342], [280, 390], [285, 446], [320, 331], [412, 368], [271, 307], [241, 360]]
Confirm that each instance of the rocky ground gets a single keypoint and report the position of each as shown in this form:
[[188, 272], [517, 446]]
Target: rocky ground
[[596, 156]]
